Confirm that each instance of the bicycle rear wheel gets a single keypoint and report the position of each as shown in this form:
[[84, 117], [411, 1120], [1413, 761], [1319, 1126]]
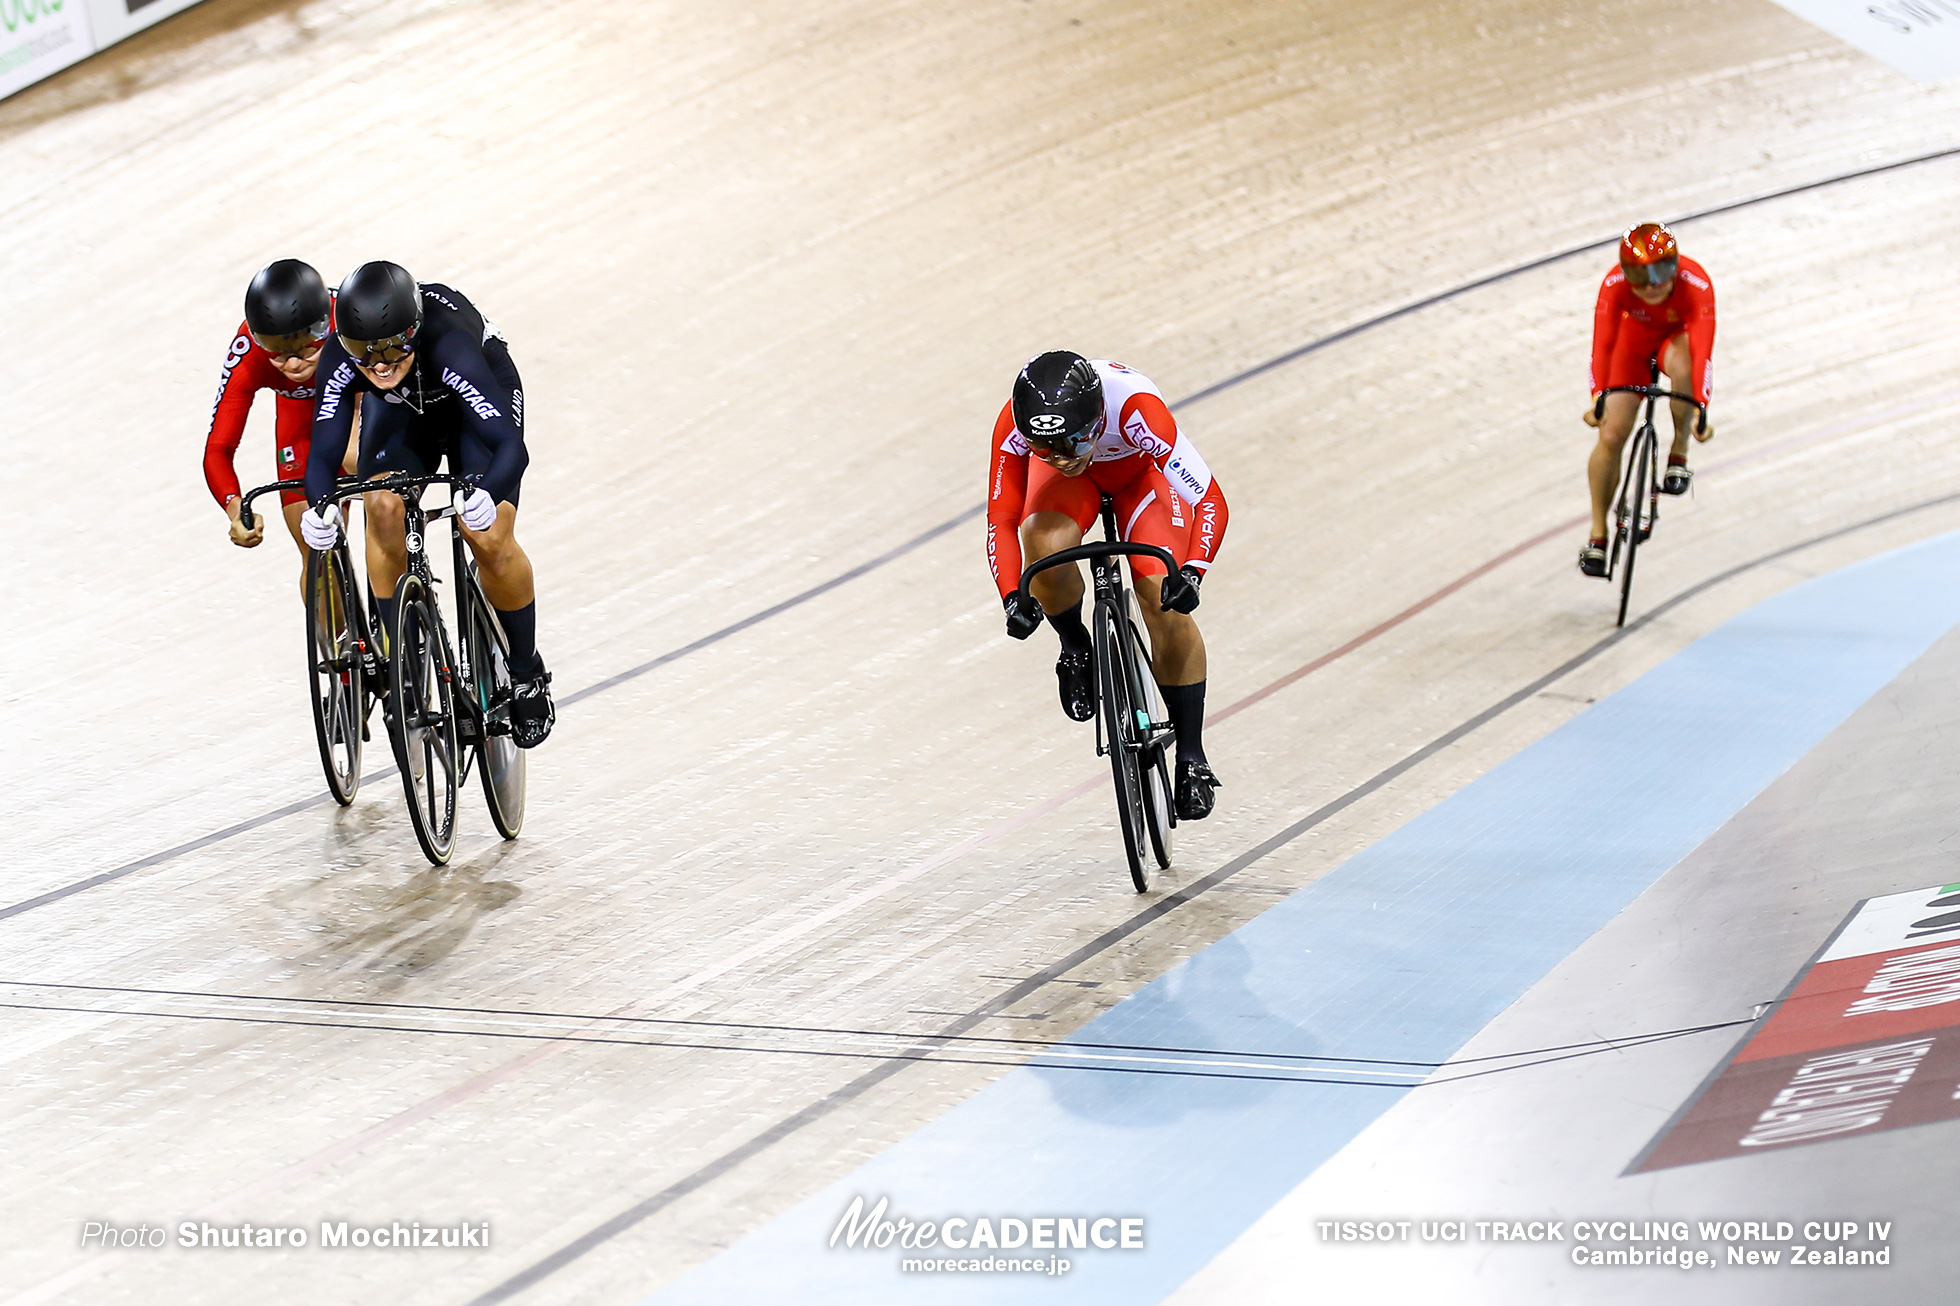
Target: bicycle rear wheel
[[1634, 495], [1119, 723], [499, 761], [333, 658], [422, 697], [1159, 811]]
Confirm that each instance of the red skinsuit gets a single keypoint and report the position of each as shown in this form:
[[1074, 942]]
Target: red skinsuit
[[1627, 331], [248, 370], [1165, 495]]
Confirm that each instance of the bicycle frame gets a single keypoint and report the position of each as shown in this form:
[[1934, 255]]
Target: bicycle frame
[[472, 724], [1637, 508], [1128, 731], [1106, 578]]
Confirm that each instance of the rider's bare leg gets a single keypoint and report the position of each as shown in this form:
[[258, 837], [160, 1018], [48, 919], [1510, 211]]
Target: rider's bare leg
[[1177, 650], [1603, 470], [502, 565], [508, 582], [1042, 534], [1677, 364]]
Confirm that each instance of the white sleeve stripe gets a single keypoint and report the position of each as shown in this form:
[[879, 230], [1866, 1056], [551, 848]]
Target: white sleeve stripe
[[1187, 472]]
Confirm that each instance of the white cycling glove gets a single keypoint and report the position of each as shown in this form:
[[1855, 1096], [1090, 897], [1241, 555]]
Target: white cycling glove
[[320, 531], [479, 510]]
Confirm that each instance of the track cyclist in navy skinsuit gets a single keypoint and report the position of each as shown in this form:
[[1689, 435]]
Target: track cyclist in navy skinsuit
[[439, 383]]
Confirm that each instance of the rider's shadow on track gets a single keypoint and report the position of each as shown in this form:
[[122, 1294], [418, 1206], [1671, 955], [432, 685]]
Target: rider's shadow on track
[[1205, 1004], [367, 917]]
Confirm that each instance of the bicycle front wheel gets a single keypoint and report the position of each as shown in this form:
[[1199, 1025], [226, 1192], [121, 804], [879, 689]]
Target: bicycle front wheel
[[423, 703], [499, 761], [1159, 813], [334, 681], [1119, 710], [1640, 470]]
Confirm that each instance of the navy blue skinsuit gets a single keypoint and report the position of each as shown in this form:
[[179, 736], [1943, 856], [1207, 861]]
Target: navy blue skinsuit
[[462, 399]]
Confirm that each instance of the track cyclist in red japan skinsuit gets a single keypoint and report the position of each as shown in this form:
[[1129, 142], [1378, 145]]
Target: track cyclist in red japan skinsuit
[[1074, 431], [1654, 308], [288, 315], [446, 388]]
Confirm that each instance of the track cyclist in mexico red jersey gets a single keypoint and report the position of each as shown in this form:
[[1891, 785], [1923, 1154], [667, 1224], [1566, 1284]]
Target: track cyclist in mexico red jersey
[[447, 388], [1074, 430], [1654, 308], [288, 316]]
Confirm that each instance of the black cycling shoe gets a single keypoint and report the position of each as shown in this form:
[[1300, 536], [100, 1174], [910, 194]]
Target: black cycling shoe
[[1194, 785], [1592, 559], [1076, 672], [532, 713], [1679, 477]]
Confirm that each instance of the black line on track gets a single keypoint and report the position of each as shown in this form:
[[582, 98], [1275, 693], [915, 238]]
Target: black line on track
[[1272, 1075], [871, 1078], [863, 568], [1416, 306], [320, 799], [586, 1018]]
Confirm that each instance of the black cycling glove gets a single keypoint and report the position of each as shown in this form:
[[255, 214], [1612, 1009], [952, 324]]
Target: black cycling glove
[[1023, 614], [1181, 590]]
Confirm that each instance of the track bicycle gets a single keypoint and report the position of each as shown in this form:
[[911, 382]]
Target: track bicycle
[[1132, 728], [1638, 506], [438, 733]]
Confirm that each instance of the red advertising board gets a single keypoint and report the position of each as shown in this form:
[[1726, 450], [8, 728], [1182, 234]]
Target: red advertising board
[[1867, 1038]]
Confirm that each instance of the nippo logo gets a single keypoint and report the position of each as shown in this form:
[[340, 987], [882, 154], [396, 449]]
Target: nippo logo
[[1047, 424]]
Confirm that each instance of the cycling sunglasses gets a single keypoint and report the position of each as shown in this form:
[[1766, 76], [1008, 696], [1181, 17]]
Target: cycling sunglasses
[[374, 353], [1068, 445], [1657, 273], [298, 344]]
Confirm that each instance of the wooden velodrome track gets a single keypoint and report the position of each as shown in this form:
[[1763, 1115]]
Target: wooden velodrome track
[[768, 270]]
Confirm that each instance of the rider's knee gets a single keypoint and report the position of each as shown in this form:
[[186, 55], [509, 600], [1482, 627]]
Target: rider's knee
[[1150, 602], [1613, 434], [383, 508], [1051, 527]]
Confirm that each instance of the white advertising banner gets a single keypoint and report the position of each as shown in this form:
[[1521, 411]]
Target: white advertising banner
[[112, 20], [1921, 38], [39, 38]]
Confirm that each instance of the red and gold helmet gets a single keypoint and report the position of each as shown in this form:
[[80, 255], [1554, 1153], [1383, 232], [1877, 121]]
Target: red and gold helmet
[[1648, 254]]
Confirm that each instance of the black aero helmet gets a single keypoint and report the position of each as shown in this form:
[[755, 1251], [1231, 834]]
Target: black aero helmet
[[377, 312], [286, 306], [1058, 403]]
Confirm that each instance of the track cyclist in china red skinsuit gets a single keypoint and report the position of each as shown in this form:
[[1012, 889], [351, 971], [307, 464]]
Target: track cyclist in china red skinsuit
[[288, 316], [441, 384], [1655, 307], [1074, 430]]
